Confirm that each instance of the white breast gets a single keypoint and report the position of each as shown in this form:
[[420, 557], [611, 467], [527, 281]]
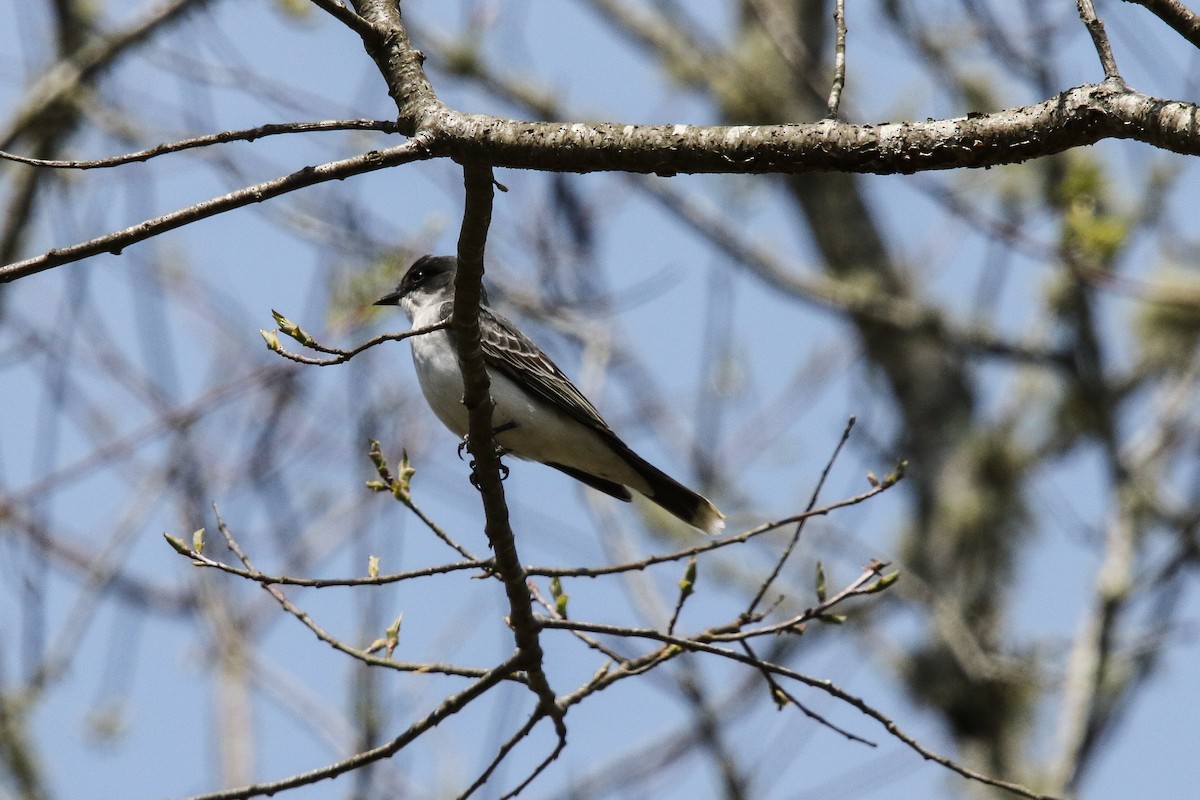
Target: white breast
[[534, 431]]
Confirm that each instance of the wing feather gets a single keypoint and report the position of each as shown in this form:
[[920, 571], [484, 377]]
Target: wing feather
[[512, 353]]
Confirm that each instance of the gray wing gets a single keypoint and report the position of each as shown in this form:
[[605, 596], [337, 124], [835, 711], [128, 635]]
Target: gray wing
[[511, 352]]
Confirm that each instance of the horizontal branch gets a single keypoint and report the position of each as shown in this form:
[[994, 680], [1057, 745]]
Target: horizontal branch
[[198, 559], [450, 706], [243, 135], [1080, 116], [821, 684], [115, 242], [711, 544]]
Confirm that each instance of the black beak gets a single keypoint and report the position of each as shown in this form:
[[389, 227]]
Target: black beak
[[392, 299]]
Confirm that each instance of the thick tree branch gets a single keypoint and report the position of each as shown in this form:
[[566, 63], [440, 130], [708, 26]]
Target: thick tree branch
[[1080, 116], [400, 63]]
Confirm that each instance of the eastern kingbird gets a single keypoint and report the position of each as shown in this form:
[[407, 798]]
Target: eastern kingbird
[[539, 414]]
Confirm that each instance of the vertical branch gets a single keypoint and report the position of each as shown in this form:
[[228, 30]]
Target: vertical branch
[[234, 706], [839, 61], [812, 502], [468, 294], [1090, 690], [1087, 13], [472, 240]]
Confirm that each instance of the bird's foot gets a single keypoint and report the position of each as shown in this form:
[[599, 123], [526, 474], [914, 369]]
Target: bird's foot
[[496, 431], [475, 474]]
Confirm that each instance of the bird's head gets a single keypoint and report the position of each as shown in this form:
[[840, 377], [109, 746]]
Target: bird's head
[[430, 279]]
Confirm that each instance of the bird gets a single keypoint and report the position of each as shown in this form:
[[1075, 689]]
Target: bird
[[538, 414]]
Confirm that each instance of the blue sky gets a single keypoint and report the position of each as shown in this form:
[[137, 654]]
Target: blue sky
[[154, 678]]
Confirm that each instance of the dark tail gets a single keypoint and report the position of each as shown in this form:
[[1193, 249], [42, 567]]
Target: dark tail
[[676, 498]]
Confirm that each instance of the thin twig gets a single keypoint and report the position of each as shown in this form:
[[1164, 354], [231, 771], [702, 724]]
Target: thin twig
[[502, 752], [540, 768], [342, 356], [201, 560], [403, 494], [686, 588], [329, 639], [115, 242], [243, 135], [711, 544], [812, 501], [820, 684], [1087, 13], [780, 696], [594, 644], [448, 708], [839, 61], [337, 10]]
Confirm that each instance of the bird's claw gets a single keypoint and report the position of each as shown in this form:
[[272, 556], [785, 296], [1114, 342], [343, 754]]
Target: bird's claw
[[475, 474], [500, 451]]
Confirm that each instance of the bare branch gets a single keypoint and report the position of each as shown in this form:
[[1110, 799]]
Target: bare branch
[[401, 65], [1087, 13], [243, 135], [448, 708], [781, 696], [1077, 117], [337, 10], [485, 467], [1080, 116], [765, 586], [826, 686], [839, 60], [342, 356], [115, 242], [201, 560], [712, 544]]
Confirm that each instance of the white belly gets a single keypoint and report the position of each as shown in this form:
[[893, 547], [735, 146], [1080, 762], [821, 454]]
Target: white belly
[[531, 430]]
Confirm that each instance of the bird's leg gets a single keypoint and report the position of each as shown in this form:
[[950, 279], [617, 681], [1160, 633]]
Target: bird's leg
[[499, 429]]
